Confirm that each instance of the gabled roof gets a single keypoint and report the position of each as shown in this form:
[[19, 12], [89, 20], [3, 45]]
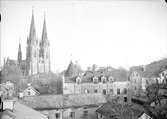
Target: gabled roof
[[72, 70], [30, 87]]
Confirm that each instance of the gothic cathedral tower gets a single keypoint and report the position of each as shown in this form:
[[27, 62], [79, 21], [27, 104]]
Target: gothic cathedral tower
[[38, 53], [44, 51], [32, 50]]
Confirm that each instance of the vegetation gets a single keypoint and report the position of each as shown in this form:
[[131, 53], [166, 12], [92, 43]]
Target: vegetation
[[13, 74], [157, 95]]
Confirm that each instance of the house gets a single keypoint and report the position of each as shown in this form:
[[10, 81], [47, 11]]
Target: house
[[7, 90], [29, 91], [140, 80], [114, 82], [76, 106], [163, 77], [102, 84], [17, 110], [121, 111]]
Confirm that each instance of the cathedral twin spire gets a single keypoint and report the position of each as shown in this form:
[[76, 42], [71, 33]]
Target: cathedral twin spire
[[32, 34], [38, 53]]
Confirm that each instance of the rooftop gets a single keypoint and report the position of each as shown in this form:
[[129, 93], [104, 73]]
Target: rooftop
[[21, 111], [63, 101], [117, 74], [124, 111]]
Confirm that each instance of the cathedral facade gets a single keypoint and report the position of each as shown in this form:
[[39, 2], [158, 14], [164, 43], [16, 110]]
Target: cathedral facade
[[37, 52]]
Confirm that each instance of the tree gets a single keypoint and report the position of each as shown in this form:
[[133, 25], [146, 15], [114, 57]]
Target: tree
[[159, 110], [11, 73]]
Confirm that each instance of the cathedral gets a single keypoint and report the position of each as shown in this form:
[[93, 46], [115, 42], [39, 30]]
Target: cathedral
[[37, 52]]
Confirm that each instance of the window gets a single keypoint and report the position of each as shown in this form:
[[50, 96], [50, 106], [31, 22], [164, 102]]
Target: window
[[78, 80], [103, 79], [85, 113], [101, 115], [95, 91], [72, 115], [135, 88], [111, 79], [125, 99], [29, 93], [57, 115], [86, 91], [104, 91], [118, 91], [125, 91], [111, 91], [95, 79]]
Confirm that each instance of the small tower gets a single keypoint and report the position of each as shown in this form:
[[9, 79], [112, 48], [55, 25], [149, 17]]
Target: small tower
[[19, 56]]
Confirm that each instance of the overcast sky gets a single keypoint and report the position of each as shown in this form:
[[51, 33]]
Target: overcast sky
[[116, 33]]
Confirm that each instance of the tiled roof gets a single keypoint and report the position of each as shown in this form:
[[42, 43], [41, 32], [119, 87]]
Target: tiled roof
[[7, 115], [44, 101], [83, 99], [42, 89], [72, 70], [22, 112], [63, 101], [117, 74], [124, 111]]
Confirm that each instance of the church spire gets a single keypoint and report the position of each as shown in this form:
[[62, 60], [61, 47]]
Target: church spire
[[19, 54], [44, 31], [32, 27]]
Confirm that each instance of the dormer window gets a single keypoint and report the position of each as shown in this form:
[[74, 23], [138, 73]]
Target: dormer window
[[111, 79], [103, 79], [86, 91], [95, 79], [78, 80]]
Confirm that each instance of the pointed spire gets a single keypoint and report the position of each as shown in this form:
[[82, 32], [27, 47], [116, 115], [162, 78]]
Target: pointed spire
[[19, 58], [44, 31], [32, 27], [19, 45]]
